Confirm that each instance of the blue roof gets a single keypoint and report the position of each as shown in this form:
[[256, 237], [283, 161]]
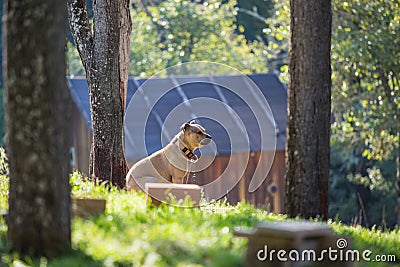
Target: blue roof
[[172, 101]]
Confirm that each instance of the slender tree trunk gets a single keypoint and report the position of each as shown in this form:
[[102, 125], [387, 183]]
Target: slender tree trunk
[[398, 184], [37, 134], [124, 49], [309, 100], [105, 55]]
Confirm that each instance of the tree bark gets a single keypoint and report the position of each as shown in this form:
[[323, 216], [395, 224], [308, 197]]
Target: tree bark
[[309, 109], [105, 56], [397, 185], [37, 133], [124, 49]]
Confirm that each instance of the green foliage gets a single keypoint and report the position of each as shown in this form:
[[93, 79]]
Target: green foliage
[[251, 18], [366, 93], [373, 180], [365, 52], [366, 99], [3, 180], [82, 187], [179, 31], [3, 192], [278, 35], [131, 234], [74, 63], [353, 179], [342, 193]]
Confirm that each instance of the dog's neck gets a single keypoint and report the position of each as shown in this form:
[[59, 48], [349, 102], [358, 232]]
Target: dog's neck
[[185, 148]]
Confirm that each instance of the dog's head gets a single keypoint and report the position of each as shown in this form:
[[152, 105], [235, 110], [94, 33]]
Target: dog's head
[[195, 135]]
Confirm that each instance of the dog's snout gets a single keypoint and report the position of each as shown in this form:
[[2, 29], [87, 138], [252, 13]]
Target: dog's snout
[[206, 140]]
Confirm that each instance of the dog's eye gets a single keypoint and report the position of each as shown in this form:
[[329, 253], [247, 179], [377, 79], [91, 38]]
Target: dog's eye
[[199, 132]]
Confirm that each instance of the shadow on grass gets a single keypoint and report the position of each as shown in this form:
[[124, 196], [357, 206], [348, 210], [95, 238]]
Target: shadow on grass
[[69, 258]]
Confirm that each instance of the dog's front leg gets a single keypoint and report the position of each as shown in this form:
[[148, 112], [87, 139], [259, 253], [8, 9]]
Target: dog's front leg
[[178, 176], [177, 180]]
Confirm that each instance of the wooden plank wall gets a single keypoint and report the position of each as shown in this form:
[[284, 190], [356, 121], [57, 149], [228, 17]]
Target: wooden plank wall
[[262, 197], [80, 141]]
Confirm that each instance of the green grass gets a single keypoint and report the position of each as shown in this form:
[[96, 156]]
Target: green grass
[[3, 192], [130, 234]]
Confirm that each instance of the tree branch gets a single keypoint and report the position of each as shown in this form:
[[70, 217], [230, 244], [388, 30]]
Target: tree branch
[[252, 14], [80, 29]]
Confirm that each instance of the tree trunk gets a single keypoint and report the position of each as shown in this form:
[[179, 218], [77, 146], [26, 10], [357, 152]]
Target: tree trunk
[[309, 111], [397, 185], [105, 55], [37, 133], [124, 49]]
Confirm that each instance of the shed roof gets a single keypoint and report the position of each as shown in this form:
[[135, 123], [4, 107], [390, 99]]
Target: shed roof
[[237, 111]]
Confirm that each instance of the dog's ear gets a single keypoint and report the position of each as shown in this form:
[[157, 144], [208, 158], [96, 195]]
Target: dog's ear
[[192, 122], [185, 126]]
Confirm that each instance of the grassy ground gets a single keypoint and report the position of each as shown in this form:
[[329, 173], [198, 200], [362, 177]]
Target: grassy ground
[[129, 234]]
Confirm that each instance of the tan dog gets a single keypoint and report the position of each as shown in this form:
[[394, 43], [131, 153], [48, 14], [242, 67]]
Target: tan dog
[[171, 163]]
